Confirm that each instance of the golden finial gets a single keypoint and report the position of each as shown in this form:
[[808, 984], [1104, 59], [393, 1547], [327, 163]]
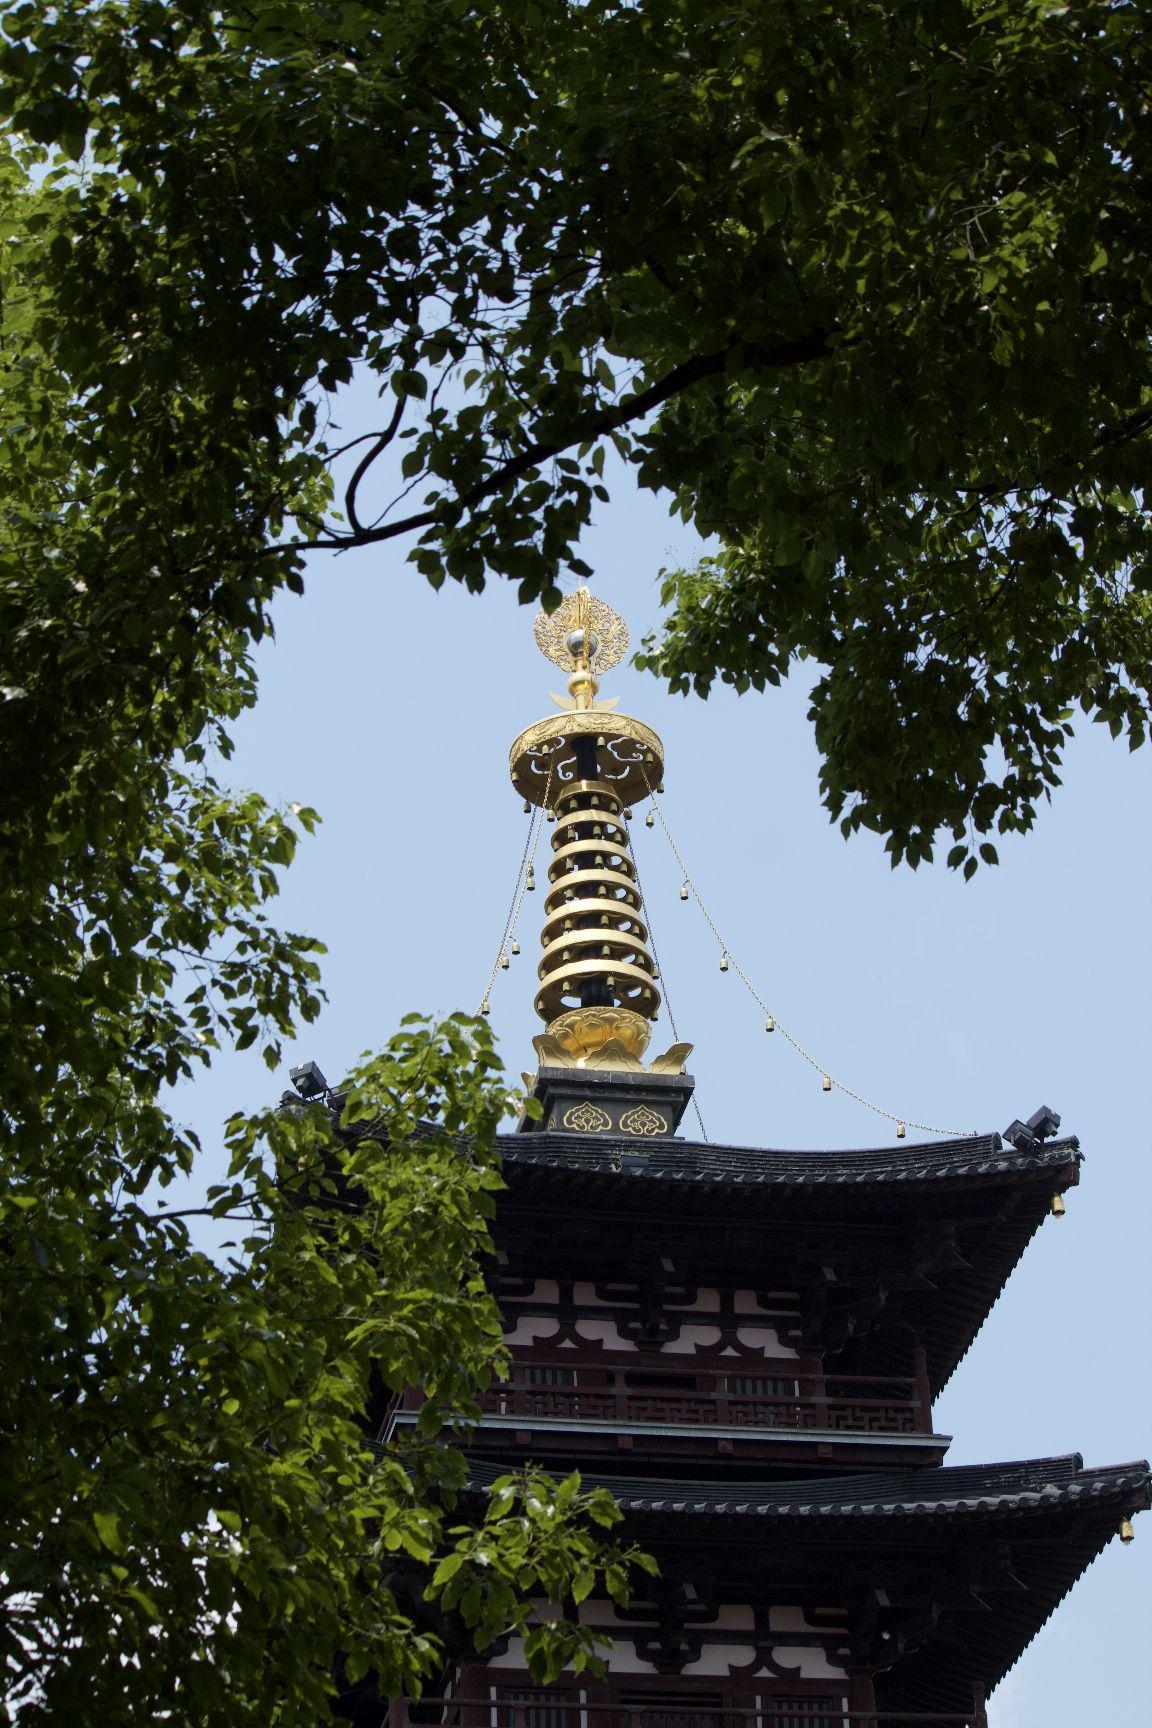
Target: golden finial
[[582, 629], [587, 767]]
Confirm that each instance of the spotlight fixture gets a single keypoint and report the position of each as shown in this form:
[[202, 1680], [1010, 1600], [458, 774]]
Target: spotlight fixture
[[308, 1081], [1044, 1122], [1019, 1134], [1040, 1126]]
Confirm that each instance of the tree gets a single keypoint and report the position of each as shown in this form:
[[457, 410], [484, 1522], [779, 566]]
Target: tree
[[862, 287]]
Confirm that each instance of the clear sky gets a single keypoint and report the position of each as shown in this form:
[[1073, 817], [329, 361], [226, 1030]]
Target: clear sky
[[391, 709]]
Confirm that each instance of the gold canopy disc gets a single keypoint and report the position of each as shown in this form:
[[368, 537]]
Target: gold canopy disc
[[581, 615]]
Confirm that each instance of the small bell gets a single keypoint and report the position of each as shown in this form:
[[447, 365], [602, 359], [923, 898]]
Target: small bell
[[769, 1024], [649, 820], [606, 952], [627, 815], [1125, 1531], [1058, 1206], [551, 814], [527, 808], [723, 962], [900, 1130], [660, 789], [504, 962], [684, 892], [485, 1008], [656, 974], [515, 947], [595, 797], [600, 743], [826, 1084]]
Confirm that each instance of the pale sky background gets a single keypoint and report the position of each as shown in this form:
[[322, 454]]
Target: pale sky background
[[390, 708]]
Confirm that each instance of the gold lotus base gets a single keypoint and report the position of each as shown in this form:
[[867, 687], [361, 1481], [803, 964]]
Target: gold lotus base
[[584, 1031], [603, 1038]]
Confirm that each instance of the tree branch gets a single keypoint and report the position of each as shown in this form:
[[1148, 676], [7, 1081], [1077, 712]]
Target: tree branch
[[363, 466], [796, 352]]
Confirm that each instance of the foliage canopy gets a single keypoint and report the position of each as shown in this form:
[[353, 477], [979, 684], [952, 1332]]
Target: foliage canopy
[[862, 286]]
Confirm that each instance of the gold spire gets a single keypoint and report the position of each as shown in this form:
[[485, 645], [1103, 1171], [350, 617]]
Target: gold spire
[[587, 766]]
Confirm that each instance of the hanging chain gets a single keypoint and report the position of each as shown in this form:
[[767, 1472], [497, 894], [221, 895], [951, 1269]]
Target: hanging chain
[[771, 1023], [660, 971], [524, 876]]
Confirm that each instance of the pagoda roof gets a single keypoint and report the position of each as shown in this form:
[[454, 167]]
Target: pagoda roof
[[961, 1490], [996, 1548], [703, 1165], [986, 1196]]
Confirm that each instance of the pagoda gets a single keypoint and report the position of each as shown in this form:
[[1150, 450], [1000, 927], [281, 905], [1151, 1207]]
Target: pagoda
[[744, 1344]]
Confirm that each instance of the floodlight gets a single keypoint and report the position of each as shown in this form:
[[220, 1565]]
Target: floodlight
[[1044, 1122], [308, 1081]]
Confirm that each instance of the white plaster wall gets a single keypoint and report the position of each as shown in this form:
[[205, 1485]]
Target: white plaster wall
[[532, 1328], [767, 1340], [785, 1619], [720, 1659], [691, 1339], [603, 1331], [812, 1662], [734, 1617]]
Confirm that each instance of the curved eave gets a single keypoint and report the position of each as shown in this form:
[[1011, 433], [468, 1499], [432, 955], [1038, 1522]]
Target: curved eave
[[723, 1171], [994, 1196]]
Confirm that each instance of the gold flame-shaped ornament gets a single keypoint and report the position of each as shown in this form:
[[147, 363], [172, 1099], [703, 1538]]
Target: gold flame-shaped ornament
[[587, 766]]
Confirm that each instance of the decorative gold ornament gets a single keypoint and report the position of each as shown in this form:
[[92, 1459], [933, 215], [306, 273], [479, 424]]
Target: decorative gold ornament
[[587, 1118], [672, 1061], [643, 1120], [1126, 1532], [582, 630], [584, 1031], [545, 754], [1058, 1206]]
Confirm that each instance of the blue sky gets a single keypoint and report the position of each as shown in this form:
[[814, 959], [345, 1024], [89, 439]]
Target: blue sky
[[391, 708]]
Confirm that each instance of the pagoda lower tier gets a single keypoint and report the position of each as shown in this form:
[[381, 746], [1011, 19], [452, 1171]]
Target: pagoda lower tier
[[886, 1598], [744, 1347]]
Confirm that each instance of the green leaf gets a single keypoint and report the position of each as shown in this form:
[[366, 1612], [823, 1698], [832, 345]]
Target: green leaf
[[107, 1527]]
